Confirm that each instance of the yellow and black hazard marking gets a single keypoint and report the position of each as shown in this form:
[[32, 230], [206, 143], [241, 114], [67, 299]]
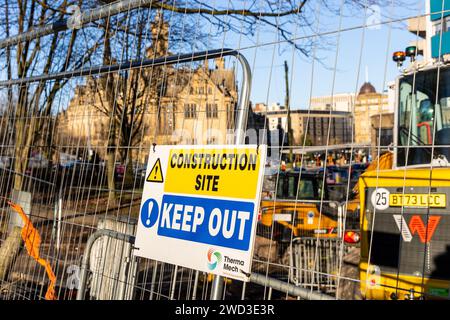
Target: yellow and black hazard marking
[[156, 173]]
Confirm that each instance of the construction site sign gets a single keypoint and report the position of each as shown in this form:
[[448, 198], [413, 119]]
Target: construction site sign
[[200, 207]]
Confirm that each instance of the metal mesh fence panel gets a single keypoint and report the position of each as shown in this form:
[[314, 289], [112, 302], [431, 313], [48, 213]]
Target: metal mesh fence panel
[[88, 88]]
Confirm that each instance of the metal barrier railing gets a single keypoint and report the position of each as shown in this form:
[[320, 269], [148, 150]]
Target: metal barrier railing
[[291, 289], [315, 263]]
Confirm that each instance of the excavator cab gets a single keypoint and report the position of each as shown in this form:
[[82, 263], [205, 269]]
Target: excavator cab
[[423, 118]]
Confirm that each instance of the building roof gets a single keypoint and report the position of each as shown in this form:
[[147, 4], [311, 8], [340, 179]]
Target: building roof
[[367, 88], [224, 79], [178, 79], [312, 113]]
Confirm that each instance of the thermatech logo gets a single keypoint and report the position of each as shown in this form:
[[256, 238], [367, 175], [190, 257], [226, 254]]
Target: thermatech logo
[[214, 258]]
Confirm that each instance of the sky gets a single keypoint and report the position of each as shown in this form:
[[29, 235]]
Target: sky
[[379, 43], [266, 55]]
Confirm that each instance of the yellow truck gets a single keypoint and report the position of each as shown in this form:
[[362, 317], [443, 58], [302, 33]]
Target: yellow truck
[[405, 217]]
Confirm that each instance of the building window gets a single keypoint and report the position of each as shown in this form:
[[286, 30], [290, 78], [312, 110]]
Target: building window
[[211, 140], [438, 26], [190, 111], [167, 119], [211, 110], [386, 136], [446, 24], [209, 90], [230, 115]]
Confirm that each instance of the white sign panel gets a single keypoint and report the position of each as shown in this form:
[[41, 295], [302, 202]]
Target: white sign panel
[[200, 207]]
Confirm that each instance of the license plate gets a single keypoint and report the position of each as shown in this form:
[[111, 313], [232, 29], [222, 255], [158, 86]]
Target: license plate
[[418, 200]]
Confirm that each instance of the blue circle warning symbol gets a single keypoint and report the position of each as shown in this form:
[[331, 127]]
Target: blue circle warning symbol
[[149, 213]]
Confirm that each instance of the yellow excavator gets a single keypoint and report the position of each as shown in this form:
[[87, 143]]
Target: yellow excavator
[[305, 206], [404, 202]]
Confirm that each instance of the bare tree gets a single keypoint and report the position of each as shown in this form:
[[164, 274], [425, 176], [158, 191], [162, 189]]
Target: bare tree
[[30, 105], [124, 97], [57, 52]]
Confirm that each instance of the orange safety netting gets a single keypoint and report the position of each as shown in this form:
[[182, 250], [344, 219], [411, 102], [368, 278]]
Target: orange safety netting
[[32, 241]]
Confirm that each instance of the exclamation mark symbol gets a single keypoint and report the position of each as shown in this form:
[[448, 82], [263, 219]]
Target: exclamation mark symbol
[[149, 212], [156, 173]]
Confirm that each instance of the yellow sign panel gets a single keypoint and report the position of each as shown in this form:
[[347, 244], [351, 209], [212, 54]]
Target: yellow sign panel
[[156, 173], [418, 200], [230, 172]]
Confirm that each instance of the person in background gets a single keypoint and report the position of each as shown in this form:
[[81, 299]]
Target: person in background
[[318, 161], [342, 161], [330, 160], [358, 157]]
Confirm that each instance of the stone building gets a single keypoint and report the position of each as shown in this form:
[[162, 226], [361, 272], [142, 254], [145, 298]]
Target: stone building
[[198, 106], [367, 104], [275, 120], [337, 102], [321, 127], [316, 124], [192, 104], [382, 133]]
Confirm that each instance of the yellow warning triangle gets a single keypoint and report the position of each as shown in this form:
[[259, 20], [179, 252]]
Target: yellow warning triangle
[[156, 173]]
